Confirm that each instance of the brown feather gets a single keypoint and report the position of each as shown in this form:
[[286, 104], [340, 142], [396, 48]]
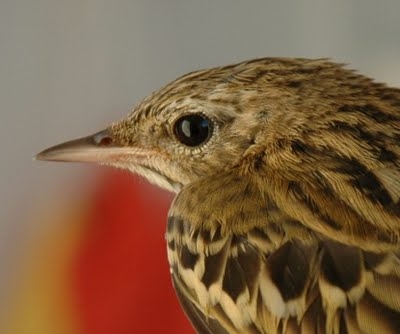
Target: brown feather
[[287, 215], [300, 185]]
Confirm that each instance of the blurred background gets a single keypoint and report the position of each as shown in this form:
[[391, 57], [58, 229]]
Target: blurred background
[[82, 247]]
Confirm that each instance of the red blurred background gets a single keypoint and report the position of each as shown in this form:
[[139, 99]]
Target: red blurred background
[[104, 269]]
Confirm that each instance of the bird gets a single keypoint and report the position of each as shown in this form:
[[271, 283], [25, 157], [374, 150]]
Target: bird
[[286, 172]]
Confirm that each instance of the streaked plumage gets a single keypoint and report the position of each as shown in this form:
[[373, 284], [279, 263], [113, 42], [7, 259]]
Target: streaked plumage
[[287, 217]]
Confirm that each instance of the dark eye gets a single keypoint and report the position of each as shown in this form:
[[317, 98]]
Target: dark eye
[[193, 130]]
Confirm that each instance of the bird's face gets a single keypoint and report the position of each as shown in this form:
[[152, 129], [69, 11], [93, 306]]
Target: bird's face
[[187, 130], [208, 121]]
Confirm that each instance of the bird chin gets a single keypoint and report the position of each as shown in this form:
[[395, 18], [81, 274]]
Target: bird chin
[[153, 176]]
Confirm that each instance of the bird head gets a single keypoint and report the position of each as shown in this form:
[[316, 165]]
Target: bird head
[[196, 126], [209, 121]]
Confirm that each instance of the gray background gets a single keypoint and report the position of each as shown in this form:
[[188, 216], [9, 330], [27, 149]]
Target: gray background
[[67, 68]]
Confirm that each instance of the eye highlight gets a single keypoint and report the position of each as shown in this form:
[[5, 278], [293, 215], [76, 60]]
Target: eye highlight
[[193, 129]]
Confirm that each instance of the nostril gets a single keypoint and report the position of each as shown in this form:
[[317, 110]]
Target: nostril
[[103, 138]]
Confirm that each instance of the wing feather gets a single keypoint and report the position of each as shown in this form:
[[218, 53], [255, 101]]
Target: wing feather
[[277, 275]]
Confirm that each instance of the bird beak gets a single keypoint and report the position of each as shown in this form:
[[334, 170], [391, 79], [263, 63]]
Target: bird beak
[[99, 147]]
